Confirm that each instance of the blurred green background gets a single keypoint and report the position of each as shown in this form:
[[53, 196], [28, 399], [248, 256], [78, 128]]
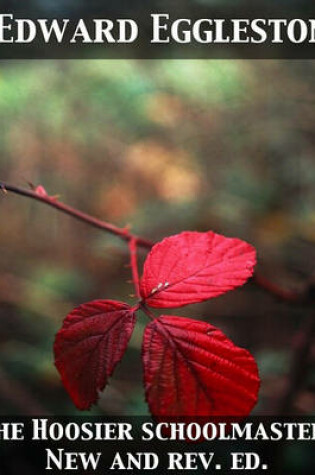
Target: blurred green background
[[162, 146]]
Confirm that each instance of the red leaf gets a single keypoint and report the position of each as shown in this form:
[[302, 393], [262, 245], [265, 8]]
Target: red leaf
[[192, 369], [92, 340], [191, 267]]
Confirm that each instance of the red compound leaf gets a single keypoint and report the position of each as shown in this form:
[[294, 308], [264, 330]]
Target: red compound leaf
[[192, 369], [191, 267], [91, 342]]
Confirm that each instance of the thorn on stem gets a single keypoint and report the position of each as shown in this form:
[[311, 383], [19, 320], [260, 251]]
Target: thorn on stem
[[31, 185]]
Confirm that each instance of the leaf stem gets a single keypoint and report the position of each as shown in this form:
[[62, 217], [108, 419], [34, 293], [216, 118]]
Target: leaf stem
[[148, 312], [132, 244]]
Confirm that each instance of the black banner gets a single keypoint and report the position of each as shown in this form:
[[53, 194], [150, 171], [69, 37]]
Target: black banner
[[157, 30], [34, 445]]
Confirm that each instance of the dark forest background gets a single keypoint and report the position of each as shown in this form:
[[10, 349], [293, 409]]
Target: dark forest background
[[162, 146]]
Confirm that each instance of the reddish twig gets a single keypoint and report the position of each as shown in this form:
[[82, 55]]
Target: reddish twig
[[123, 233], [278, 292], [302, 346], [134, 265]]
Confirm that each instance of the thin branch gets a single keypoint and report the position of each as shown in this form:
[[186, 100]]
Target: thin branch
[[123, 233], [303, 343], [286, 295], [134, 265]]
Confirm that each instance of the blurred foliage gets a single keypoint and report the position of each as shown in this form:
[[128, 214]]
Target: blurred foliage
[[162, 146]]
